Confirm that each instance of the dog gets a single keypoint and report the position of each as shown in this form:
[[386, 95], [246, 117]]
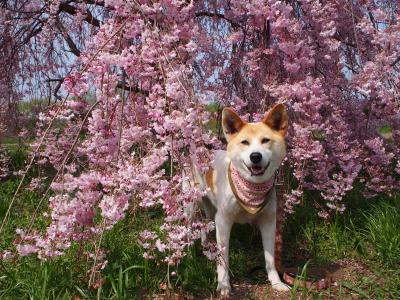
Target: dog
[[240, 185]]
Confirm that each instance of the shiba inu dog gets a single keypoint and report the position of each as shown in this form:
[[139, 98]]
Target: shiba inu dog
[[240, 185]]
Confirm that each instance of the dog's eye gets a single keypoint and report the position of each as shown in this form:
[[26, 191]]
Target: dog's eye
[[265, 140], [245, 142]]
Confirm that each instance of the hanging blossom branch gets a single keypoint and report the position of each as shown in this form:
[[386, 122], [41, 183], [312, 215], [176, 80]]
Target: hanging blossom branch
[[40, 144]]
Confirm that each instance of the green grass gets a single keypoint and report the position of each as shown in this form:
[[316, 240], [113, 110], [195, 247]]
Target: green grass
[[27, 106], [382, 231], [11, 144], [212, 107], [385, 129], [368, 232]]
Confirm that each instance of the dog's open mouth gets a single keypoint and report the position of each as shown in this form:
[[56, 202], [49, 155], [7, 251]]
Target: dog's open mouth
[[257, 170]]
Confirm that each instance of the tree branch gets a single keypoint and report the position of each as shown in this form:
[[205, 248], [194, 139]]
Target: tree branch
[[217, 15], [69, 9], [71, 44], [58, 86], [395, 62], [123, 86], [33, 32], [95, 2]]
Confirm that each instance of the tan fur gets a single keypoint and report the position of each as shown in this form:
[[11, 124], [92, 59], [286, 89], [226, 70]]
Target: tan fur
[[255, 130], [277, 119], [273, 126], [210, 179]]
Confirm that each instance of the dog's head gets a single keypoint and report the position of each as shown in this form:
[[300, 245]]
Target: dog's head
[[256, 149]]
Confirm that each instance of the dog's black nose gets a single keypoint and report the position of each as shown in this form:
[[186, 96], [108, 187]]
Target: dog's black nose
[[255, 157]]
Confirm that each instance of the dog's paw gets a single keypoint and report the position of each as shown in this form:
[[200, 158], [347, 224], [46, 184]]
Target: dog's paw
[[224, 289], [280, 287]]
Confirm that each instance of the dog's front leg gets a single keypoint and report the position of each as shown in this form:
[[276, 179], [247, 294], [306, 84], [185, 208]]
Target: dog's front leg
[[267, 227], [223, 226]]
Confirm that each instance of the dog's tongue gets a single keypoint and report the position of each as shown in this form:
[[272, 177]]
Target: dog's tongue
[[257, 170]]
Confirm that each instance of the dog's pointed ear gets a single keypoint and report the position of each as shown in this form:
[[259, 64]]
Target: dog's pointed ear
[[231, 123], [277, 119]]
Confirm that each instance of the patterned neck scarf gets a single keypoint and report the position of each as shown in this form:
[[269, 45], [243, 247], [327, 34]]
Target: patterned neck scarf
[[251, 195]]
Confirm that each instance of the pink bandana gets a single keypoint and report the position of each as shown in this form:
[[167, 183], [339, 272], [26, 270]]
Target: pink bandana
[[250, 194]]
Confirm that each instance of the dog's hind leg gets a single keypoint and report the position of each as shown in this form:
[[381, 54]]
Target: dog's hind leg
[[208, 208], [187, 182]]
